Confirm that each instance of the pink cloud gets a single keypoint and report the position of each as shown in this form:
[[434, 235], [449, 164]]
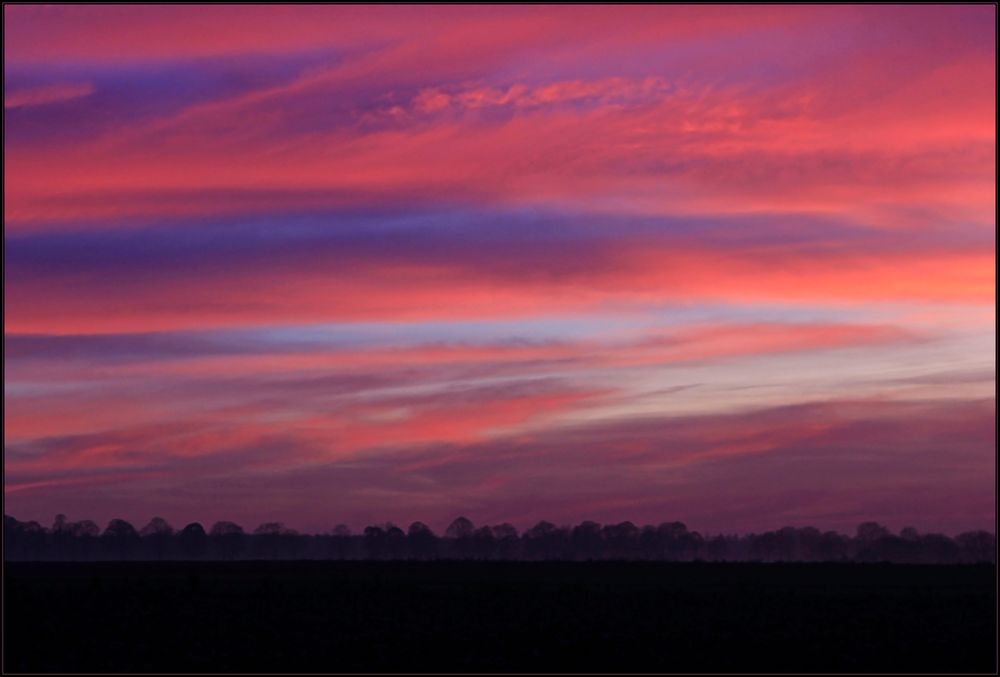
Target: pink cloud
[[45, 94], [855, 136], [758, 162], [828, 464], [623, 274]]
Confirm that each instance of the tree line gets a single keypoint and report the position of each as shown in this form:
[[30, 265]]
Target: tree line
[[668, 541]]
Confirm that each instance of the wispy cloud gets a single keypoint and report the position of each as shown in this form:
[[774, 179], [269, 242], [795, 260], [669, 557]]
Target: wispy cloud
[[46, 94], [522, 262]]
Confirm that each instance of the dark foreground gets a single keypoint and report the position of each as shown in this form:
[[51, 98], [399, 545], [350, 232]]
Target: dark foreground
[[500, 616]]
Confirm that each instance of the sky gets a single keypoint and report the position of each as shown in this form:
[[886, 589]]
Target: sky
[[728, 265]]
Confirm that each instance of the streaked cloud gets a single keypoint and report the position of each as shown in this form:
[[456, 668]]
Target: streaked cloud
[[346, 263], [46, 94]]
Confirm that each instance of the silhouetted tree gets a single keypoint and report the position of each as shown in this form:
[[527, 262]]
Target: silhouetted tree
[[647, 544], [544, 541], [977, 546], [718, 548], [62, 538], [85, 529], [460, 531], [460, 528], [272, 539], [24, 540], [764, 547], [121, 538], [869, 532], [193, 541], [621, 540], [785, 540], [157, 536], [671, 535], [395, 541], [483, 543], [691, 545], [867, 540], [507, 545], [938, 548], [421, 541], [807, 544], [586, 540], [228, 539], [11, 537], [890, 549], [86, 536], [374, 537], [832, 547], [340, 541]]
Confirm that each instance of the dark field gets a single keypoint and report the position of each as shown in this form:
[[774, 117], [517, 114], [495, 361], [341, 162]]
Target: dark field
[[498, 616]]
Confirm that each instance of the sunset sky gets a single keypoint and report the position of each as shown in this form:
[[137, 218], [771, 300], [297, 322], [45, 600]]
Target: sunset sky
[[733, 266]]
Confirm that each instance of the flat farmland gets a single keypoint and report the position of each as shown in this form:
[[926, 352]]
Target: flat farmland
[[315, 616]]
